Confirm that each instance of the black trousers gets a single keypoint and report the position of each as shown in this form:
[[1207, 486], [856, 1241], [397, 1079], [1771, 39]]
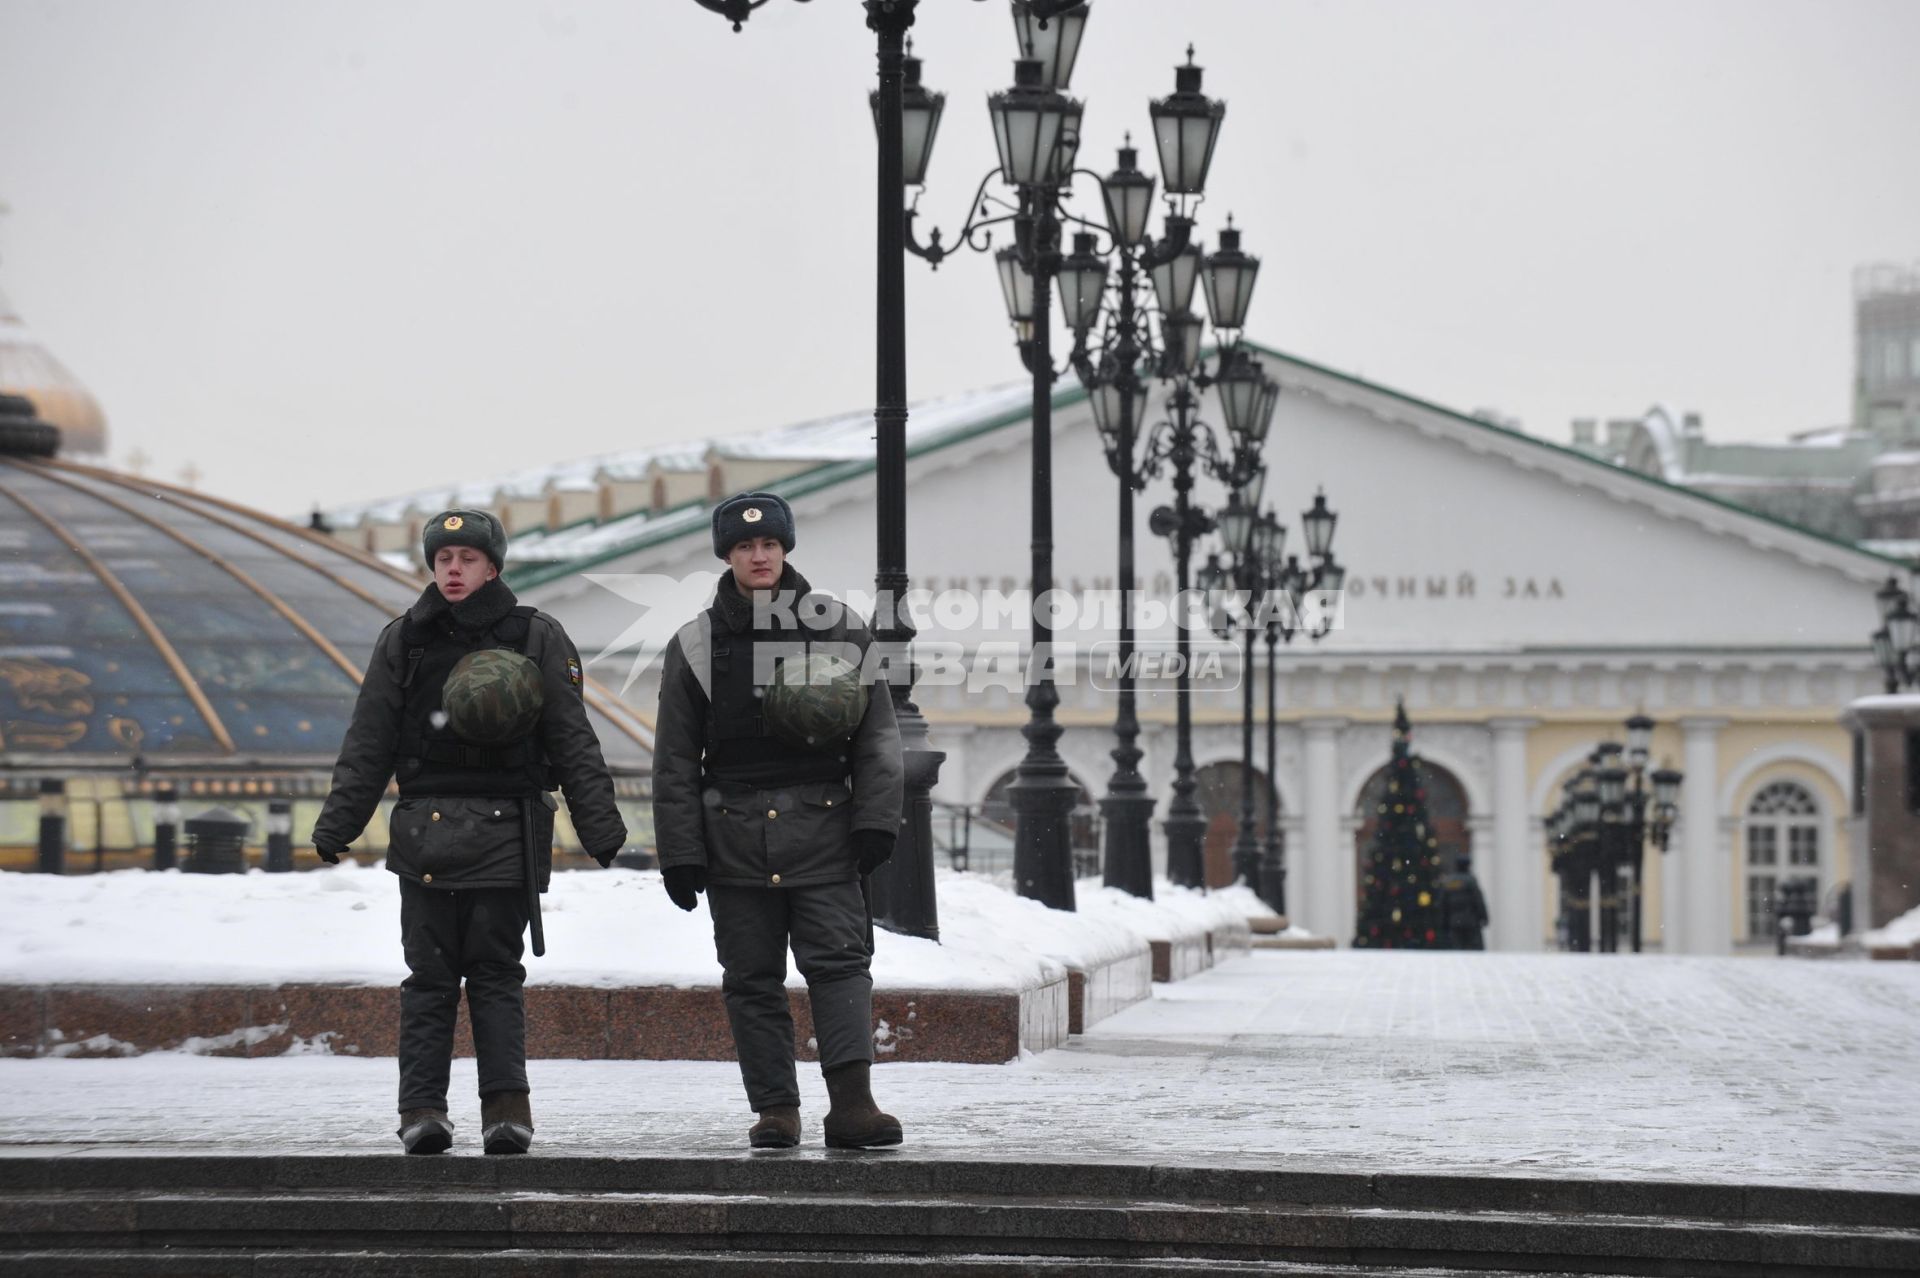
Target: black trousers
[[473, 935], [827, 928]]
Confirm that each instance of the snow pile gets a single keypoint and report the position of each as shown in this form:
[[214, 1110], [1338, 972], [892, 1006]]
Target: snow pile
[[606, 928], [1174, 911], [1904, 930]]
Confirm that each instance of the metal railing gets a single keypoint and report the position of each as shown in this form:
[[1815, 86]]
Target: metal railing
[[975, 843]]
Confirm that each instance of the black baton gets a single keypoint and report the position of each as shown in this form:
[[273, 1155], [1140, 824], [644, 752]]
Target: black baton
[[866, 899], [533, 877]]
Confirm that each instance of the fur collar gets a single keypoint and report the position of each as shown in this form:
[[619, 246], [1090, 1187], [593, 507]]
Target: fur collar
[[734, 610], [479, 612]]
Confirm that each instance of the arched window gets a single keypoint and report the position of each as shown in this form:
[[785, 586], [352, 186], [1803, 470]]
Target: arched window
[[1217, 791], [1783, 842]]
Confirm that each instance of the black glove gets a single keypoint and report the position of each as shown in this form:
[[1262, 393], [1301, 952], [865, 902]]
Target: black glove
[[328, 855], [685, 883], [872, 848], [605, 858]]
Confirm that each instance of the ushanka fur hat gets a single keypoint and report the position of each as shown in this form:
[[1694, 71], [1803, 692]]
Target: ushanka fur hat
[[746, 515], [474, 528]]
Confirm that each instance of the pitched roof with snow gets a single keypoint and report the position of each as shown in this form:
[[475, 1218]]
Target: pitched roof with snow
[[845, 437], [842, 448]]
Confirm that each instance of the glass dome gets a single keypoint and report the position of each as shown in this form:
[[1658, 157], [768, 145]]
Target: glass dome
[[152, 626]]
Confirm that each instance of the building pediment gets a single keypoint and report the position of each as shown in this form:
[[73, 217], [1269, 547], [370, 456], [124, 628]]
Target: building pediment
[[1460, 537]]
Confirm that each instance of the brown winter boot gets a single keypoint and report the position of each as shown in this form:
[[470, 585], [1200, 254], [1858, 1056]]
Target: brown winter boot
[[855, 1122], [426, 1131], [506, 1123], [778, 1128]]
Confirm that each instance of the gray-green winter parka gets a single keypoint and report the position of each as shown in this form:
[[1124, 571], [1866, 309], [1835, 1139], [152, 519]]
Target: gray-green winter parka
[[462, 826], [784, 826]]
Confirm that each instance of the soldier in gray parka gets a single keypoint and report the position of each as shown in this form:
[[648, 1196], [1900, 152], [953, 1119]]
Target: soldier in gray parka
[[778, 833], [472, 833]]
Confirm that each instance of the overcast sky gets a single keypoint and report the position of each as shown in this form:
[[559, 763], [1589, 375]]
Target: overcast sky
[[326, 250]]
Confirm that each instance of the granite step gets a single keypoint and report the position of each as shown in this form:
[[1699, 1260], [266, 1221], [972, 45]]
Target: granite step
[[644, 1224], [231, 1263], [711, 1213]]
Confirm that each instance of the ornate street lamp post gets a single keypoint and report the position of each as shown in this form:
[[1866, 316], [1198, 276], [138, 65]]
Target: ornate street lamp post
[[1286, 582], [1600, 832], [1037, 135], [1185, 442], [1612, 780], [1238, 522], [1268, 582], [1586, 855], [1182, 524], [1896, 645], [1110, 370], [1036, 130], [906, 119], [1658, 791], [1558, 825]]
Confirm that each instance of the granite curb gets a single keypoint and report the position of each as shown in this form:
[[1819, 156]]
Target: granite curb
[[564, 1022]]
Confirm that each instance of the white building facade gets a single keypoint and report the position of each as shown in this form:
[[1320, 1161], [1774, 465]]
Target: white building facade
[[1522, 598]]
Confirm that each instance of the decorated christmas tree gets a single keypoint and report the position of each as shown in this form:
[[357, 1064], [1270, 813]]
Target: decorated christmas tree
[[1397, 907]]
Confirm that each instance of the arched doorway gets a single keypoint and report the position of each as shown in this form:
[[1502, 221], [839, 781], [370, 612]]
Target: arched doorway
[[1446, 816], [1218, 793], [1083, 825]]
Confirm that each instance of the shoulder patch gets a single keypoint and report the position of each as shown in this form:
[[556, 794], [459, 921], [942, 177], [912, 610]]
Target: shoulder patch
[[573, 672]]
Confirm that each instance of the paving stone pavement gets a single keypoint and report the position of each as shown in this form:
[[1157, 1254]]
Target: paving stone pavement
[[1729, 1070]]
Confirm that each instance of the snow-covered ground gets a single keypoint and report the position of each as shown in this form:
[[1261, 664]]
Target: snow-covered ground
[[1608, 1065], [1724, 1070], [603, 928]]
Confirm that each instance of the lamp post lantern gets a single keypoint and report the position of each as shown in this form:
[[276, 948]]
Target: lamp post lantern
[[1050, 34], [1186, 126]]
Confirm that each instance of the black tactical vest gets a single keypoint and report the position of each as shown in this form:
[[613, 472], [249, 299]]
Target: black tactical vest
[[740, 749], [431, 759]]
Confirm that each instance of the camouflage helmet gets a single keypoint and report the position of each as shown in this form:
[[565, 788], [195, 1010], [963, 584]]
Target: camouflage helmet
[[815, 702], [492, 696]]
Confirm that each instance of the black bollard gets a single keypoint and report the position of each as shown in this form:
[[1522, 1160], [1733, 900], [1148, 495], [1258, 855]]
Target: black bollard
[[53, 826], [166, 828], [279, 836]]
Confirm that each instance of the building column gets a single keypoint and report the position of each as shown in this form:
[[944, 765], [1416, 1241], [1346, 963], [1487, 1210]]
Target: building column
[[1320, 884], [1513, 877], [1706, 926]]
